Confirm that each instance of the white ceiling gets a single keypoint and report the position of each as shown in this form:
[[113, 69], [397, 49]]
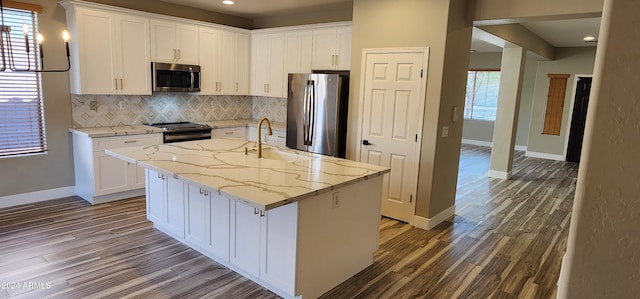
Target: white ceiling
[[559, 33]]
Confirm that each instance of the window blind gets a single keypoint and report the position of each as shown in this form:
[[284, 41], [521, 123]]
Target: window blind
[[22, 128]]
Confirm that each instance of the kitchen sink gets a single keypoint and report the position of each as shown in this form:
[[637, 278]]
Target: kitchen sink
[[277, 154]]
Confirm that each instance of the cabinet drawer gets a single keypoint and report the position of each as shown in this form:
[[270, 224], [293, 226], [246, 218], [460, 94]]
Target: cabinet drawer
[[102, 143], [237, 132]]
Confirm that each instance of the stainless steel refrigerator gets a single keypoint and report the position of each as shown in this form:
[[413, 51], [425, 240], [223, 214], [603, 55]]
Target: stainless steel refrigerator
[[317, 113]]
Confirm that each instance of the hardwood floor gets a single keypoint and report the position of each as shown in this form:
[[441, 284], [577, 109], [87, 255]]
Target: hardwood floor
[[506, 241]]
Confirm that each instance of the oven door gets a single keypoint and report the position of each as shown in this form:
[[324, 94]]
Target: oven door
[[175, 77]]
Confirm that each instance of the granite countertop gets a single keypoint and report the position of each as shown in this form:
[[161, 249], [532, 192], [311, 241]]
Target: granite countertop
[[221, 165], [219, 124], [116, 131]]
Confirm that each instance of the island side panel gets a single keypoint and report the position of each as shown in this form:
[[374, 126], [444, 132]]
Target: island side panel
[[337, 240]]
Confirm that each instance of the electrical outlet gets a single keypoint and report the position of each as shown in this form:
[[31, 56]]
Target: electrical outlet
[[336, 201], [93, 105], [445, 131], [122, 105]]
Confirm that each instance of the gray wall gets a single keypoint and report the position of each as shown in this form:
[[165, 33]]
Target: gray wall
[[54, 169], [568, 61], [443, 27]]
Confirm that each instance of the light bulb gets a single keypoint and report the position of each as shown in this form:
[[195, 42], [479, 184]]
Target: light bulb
[[65, 36], [25, 28], [39, 38], [227, 2]]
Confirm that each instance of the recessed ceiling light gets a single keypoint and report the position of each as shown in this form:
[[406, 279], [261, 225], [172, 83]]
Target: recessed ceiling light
[[227, 2], [589, 38]]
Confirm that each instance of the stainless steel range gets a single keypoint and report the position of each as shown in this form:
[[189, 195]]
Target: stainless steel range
[[183, 131]]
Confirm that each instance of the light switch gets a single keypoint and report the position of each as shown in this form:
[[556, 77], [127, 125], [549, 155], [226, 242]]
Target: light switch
[[445, 131], [454, 113]]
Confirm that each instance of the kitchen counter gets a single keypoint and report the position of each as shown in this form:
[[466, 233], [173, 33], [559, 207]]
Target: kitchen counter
[[221, 165], [116, 131], [219, 124]]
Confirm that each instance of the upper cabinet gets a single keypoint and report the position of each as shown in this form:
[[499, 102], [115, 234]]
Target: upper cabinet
[[173, 42], [267, 65], [298, 51], [110, 52], [332, 48], [224, 61]]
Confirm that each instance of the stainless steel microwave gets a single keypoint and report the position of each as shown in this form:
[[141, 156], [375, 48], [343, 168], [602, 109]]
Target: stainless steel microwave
[[175, 77]]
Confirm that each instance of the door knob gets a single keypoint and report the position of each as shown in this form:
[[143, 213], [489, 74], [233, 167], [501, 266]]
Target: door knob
[[366, 142]]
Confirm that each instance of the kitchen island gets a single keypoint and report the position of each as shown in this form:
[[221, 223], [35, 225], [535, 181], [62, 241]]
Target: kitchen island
[[297, 223]]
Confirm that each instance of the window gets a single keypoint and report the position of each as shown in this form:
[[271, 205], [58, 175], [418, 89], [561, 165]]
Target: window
[[21, 109], [481, 101]]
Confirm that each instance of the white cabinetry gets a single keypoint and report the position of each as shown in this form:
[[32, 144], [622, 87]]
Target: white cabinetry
[[278, 138], [298, 51], [241, 43], [173, 42], [224, 59], [235, 132], [110, 52], [263, 243], [165, 202], [332, 48], [267, 64], [207, 224], [101, 178]]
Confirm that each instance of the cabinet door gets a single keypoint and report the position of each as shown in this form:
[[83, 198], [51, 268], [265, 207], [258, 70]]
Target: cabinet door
[[278, 138], [197, 206], [278, 246], [276, 86], [174, 221], [226, 63], [187, 43], [111, 174], [245, 238], [241, 62], [252, 133], [155, 192], [324, 49], [219, 226], [208, 43], [298, 52], [135, 176], [133, 52], [344, 48], [163, 41], [95, 32], [260, 64]]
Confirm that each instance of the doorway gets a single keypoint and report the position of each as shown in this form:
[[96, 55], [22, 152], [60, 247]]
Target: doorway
[[578, 119]]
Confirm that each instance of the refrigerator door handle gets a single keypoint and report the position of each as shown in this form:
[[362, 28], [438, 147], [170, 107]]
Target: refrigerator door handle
[[305, 114], [312, 112]]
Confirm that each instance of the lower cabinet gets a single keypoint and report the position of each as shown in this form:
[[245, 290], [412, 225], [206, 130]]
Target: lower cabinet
[[165, 202], [263, 243], [102, 178]]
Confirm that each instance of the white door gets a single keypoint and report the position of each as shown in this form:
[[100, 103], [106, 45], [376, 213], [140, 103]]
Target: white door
[[391, 123]]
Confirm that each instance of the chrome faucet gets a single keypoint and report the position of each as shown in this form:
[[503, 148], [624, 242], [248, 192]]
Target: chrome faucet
[[260, 134]]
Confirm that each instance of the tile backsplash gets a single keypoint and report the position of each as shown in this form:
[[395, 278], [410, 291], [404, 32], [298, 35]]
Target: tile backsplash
[[104, 110]]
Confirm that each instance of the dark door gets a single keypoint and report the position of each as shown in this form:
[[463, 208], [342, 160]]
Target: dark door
[[578, 119]]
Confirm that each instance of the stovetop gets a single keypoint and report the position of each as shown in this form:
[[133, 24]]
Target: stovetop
[[180, 126]]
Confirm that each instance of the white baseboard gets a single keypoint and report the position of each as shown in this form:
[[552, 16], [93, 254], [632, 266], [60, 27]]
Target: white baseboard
[[37, 196], [522, 148], [430, 223], [490, 144], [477, 142], [499, 174], [545, 156]]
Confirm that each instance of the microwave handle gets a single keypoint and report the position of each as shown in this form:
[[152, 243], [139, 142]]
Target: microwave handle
[[192, 79]]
